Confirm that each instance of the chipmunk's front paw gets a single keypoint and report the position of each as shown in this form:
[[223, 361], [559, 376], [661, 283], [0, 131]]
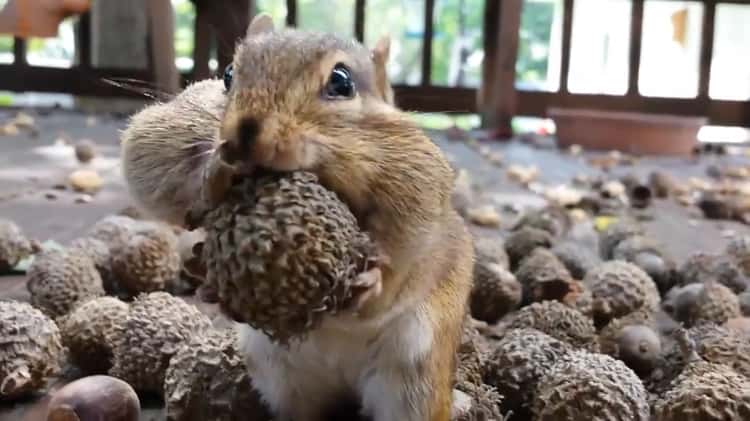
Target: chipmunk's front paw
[[365, 287]]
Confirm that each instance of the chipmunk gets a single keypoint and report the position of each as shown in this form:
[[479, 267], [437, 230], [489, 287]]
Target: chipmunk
[[310, 101]]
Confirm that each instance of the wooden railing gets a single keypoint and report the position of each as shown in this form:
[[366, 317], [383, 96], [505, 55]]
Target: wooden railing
[[498, 99]]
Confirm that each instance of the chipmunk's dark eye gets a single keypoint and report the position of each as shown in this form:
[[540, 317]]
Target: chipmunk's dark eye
[[340, 84], [228, 73]]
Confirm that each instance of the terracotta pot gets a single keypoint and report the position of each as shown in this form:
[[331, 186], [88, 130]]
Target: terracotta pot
[[633, 133]]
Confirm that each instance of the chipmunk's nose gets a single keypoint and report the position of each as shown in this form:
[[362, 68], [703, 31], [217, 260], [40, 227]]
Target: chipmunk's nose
[[248, 130]]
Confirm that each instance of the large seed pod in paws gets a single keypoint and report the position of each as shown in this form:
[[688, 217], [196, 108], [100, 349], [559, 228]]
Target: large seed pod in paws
[[586, 386], [14, 246], [89, 332], [706, 267], [98, 251], [156, 327], [517, 363], [522, 242], [554, 220], [148, 261], [59, 278], [543, 277], [619, 288], [30, 350], [615, 233], [207, 379], [704, 391], [283, 252], [495, 292], [577, 258], [559, 321]]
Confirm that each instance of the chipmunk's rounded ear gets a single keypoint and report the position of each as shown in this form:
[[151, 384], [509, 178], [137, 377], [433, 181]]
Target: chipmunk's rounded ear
[[260, 24], [382, 49]]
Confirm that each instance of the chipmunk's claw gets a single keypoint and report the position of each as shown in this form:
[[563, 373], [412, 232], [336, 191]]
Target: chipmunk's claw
[[365, 287]]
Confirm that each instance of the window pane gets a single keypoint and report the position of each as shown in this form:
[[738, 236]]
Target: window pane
[[275, 8], [600, 47], [730, 67], [403, 21], [539, 45], [53, 52], [670, 51], [335, 16], [457, 50], [184, 24]]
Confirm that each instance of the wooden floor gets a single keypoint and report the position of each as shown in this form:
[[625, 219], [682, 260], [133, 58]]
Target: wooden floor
[[32, 164]]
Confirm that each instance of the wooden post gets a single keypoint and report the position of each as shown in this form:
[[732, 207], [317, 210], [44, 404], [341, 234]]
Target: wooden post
[[498, 99], [118, 31], [636, 38], [229, 20], [202, 36], [163, 54]]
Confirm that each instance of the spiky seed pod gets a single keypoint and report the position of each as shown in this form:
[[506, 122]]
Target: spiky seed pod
[[601, 387], [14, 246], [31, 350], [647, 254], [472, 354], [99, 253], [543, 277], [577, 258], [156, 327], [89, 330], [523, 241], [495, 292], [614, 234], [619, 288], [519, 360], [704, 391], [58, 279], [559, 321], [554, 220], [282, 251], [739, 250], [207, 379], [720, 345], [491, 250], [113, 230], [705, 267], [712, 303], [482, 403], [148, 261]]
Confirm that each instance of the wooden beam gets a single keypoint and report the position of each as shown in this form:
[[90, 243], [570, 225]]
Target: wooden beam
[[359, 20], [707, 48], [291, 12], [429, 10], [636, 38], [567, 34], [499, 97]]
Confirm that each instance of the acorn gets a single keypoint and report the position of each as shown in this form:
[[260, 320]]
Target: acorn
[[14, 246], [647, 254], [113, 230], [739, 250], [31, 351], [495, 292], [148, 260], [517, 363], [559, 321], [700, 303], [582, 386], [155, 328], [614, 234], [717, 344], [491, 250], [89, 330], [523, 241], [662, 184], [99, 253], [704, 267], [619, 288], [543, 277], [85, 151], [207, 379], [704, 391], [59, 278], [283, 252], [552, 219], [94, 398], [577, 258], [633, 340]]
